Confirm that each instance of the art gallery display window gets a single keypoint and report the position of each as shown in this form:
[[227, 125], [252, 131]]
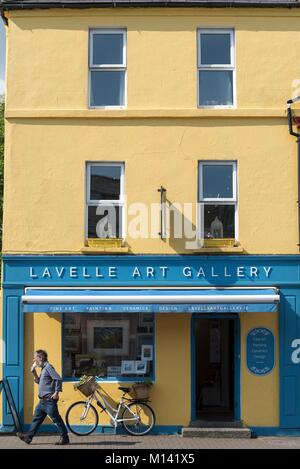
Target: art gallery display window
[[112, 346]]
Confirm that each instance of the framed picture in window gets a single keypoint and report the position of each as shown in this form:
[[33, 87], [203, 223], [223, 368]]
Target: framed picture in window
[[147, 353], [72, 321], [141, 367], [108, 337], [72, 343], [128, 367]]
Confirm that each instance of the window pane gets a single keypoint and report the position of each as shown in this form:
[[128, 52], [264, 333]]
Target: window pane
[[219, 221], [217, 181], [109, 345], [107, 49], [107, 88], [104, 221], [215, 49], [216, 87], [105, 182]]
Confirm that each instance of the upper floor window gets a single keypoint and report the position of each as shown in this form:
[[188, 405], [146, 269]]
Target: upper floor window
[[216, 67], [107, 68], [105, 200], [218, 200]]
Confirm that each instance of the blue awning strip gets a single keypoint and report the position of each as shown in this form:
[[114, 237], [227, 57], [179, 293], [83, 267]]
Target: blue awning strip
[[221, 300]]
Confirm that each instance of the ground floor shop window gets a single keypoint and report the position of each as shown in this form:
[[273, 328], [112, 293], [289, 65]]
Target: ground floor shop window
[[109, 345]]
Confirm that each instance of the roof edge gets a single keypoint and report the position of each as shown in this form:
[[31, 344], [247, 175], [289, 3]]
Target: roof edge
[[21, 5]]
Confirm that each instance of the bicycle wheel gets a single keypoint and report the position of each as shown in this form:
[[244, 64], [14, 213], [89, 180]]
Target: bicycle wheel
[[142, 423], [81, 420]]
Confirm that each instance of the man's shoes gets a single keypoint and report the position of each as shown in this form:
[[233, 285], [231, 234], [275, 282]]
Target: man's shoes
[[24, 438], [62, 441]]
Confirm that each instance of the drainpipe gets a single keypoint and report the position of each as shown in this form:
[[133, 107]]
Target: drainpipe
[[295, 120]]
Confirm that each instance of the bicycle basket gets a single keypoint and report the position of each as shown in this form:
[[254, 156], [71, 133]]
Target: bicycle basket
[[141, 391], [88, 386]]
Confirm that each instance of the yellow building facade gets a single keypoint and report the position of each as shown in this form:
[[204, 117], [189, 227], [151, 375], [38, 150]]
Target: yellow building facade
[[222, 309]]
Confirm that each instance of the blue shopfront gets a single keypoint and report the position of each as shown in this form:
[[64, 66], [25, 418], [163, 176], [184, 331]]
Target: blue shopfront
[[214, 292]]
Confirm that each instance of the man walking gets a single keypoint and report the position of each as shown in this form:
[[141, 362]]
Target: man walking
[[50, 385]]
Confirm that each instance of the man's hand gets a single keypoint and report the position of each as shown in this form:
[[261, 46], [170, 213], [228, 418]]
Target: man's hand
[[55, 396], [35, 375]]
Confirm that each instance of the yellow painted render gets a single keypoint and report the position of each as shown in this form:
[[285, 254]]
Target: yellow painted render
[[161, 56], [44, 192], [51, 133], [259, 394], [172, 354]]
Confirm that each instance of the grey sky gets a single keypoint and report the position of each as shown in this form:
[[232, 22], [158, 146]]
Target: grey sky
[[2, 56]]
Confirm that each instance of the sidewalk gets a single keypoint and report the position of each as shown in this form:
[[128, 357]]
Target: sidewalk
[[110, 442]]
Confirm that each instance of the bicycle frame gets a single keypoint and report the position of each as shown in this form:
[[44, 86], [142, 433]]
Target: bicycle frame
[[114, 414]]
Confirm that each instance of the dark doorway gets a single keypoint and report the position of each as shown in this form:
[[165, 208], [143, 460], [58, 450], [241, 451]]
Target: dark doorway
[[215, 368]]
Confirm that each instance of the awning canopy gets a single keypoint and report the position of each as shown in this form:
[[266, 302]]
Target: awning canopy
[[205, 300]]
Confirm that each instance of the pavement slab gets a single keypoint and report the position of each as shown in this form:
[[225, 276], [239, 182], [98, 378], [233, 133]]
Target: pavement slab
[[176, 442]]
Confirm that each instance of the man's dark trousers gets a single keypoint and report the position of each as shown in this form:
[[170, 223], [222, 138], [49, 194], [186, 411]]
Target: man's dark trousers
[[44, 408]]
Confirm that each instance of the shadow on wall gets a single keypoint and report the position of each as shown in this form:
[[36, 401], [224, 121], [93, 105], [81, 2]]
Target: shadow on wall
[[182, 230]]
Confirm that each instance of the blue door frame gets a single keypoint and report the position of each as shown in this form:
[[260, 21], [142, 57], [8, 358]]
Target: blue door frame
[[237, 361]]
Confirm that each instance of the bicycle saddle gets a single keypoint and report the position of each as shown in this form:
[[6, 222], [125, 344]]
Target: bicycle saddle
[[124, 389]]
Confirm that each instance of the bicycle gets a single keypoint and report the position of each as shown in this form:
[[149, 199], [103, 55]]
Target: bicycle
[[137, 417]]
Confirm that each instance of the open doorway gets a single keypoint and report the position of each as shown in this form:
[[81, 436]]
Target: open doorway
[[215, 368]]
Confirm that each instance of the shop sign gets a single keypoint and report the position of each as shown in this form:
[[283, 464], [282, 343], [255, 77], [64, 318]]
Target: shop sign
[[260, 351], [149, 272]]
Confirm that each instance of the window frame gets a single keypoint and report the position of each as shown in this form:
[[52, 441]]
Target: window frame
[[104, 202], [202, 201], [107, 67], [217, 67]]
